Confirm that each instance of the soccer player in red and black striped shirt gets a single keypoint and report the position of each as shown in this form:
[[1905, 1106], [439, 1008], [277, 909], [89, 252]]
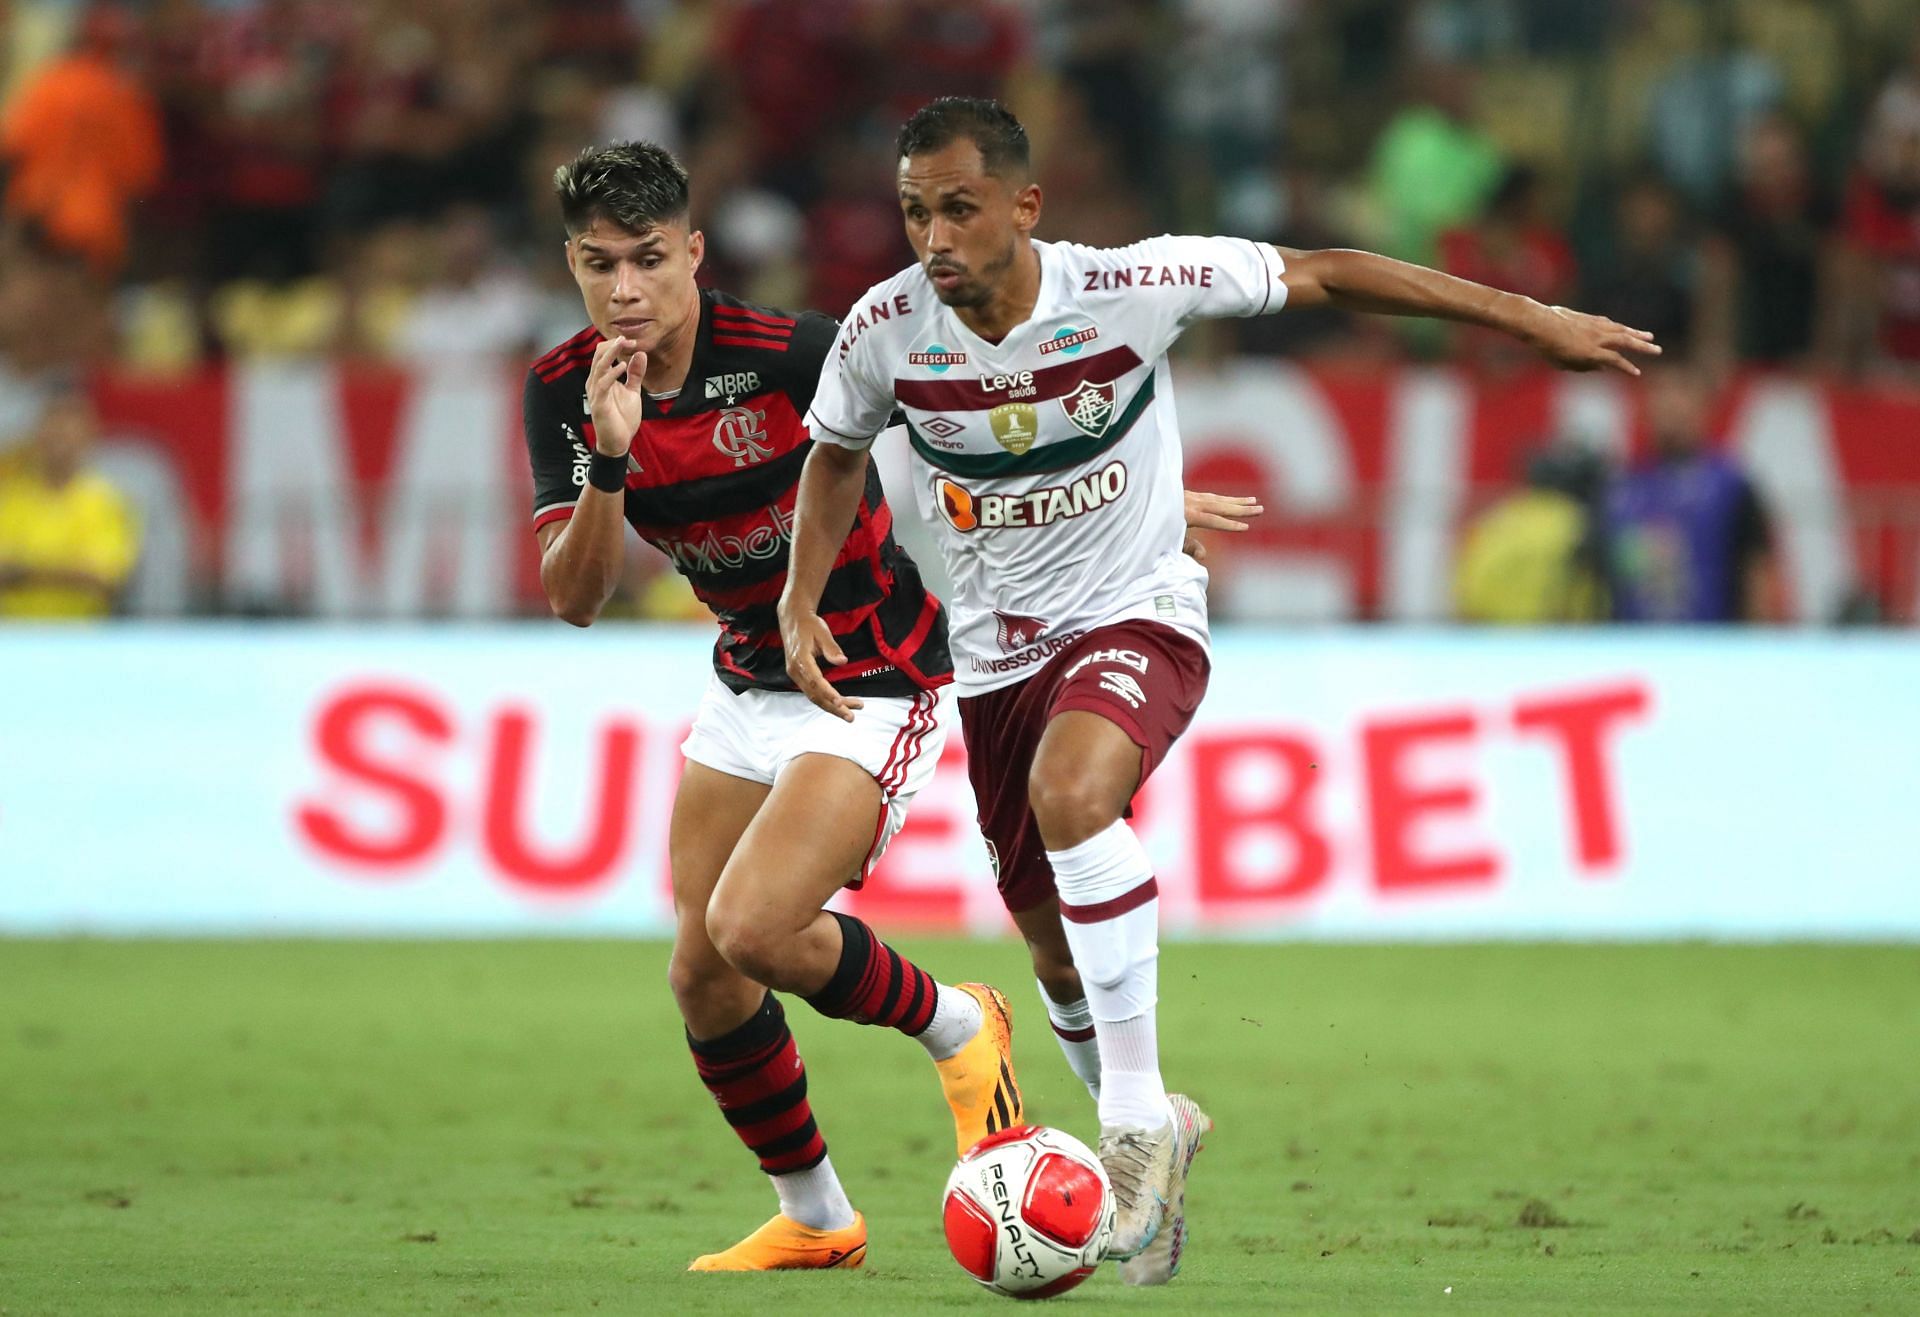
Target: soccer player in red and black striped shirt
[[679, 411]]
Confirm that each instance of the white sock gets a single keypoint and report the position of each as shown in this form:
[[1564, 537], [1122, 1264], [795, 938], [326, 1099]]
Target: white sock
[[1110, 911], [1073, 1030], [813, 1197], [1133, 1094], [956, 1019]]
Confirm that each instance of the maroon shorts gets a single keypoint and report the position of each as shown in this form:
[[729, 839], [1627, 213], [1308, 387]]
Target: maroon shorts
[[1144, 677]]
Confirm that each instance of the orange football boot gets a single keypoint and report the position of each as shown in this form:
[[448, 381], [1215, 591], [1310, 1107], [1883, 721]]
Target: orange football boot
[[785, 1245], [978, 1079]]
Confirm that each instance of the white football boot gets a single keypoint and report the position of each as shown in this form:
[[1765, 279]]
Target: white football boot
[[1159, 1262], [1139, 1165]]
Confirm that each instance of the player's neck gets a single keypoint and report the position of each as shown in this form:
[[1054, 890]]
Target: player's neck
[[1012, 305], [668, 364]]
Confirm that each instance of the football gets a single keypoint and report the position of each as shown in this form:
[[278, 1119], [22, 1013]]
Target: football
[[1028, 1212]]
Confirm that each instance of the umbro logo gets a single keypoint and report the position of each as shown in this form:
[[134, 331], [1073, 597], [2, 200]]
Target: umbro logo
[[733, 384], [943, 427]]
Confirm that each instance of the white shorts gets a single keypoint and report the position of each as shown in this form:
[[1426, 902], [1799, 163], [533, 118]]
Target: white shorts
[[754, 734]]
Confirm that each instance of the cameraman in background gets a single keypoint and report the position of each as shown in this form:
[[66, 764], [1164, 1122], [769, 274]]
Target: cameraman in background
[[1688, 539]]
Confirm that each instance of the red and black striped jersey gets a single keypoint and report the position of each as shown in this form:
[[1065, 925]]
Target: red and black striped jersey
[[711, 483]]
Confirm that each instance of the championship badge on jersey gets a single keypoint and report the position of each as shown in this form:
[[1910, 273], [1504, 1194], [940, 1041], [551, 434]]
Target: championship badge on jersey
[[1015, 425], [1090, 407]]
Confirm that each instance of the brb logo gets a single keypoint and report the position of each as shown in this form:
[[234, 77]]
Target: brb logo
[[733, 384], [741, 433], [965, 511]]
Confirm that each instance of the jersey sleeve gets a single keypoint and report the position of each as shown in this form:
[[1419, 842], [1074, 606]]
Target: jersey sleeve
[[851, 405], [814, 338], [555, 449], [1196, 278]]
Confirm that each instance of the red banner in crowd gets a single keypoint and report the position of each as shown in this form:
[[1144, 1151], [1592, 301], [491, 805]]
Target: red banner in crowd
[[347, 491]]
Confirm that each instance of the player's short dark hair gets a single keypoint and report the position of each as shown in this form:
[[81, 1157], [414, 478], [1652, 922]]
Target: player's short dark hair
[[637, 185], [989, 125]]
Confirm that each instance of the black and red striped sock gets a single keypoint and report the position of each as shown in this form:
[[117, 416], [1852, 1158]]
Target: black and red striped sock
[[756, 1076], [874, 984]]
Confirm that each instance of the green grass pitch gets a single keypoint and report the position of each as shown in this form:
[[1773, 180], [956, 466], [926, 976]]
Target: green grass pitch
[[515, 1127]]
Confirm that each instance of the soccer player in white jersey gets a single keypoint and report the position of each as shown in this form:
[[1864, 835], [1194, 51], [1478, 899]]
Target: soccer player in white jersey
[[1040, 413]]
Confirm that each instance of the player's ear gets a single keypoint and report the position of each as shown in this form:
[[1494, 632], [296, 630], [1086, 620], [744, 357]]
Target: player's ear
[[1026, 208], [696, 248]]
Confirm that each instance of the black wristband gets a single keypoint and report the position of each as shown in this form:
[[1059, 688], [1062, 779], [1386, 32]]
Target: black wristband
[[606, 472]]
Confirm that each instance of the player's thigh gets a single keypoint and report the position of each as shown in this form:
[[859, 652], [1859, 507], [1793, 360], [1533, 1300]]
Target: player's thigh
[[1125, 694], [712, 811], [808, 840], [1003, 729]]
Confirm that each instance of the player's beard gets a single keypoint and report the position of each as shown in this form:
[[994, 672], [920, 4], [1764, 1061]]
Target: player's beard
[[977, 289]]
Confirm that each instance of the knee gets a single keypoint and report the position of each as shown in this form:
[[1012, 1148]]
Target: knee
[[697, 974], [1070, 807], [752, 946]]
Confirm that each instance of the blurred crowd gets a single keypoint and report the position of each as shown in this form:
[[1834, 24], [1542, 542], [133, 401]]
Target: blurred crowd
[[1680, 536], [188, 181]]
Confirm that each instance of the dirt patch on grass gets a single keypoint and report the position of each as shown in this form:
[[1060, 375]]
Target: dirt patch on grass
[[1538, 1214]]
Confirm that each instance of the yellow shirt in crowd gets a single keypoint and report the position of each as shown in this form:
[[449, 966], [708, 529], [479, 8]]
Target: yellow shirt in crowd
[[84, 525], [1521, 564]]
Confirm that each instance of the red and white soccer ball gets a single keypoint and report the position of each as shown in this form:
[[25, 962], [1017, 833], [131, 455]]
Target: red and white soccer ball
[[1029, 1212]]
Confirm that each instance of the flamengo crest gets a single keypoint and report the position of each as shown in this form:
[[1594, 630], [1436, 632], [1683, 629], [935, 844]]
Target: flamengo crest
[[741, 433], [1090, 407]]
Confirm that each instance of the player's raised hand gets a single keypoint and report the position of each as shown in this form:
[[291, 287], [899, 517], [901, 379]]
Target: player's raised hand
[[613, 394], [808, 640], [1215, 512], [1573, 340]]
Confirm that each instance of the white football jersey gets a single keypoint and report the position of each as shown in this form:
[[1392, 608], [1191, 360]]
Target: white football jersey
[[1049, 463]]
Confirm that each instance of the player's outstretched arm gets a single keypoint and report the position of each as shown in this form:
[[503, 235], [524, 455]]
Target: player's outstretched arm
[[831, 484], [1363, 281], [581, 558], [1215, 512]]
